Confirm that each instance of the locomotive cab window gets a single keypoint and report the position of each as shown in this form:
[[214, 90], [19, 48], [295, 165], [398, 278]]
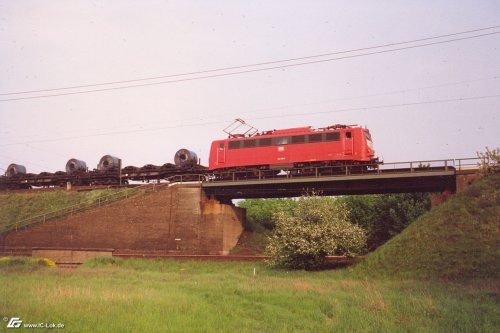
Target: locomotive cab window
[[221, 145], [234, 144], [368, 136], [348, 135]]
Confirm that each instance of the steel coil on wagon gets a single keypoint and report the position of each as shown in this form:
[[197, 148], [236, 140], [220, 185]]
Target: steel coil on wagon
[[74, 165], [185, 157], [15, 169], [108, 162]]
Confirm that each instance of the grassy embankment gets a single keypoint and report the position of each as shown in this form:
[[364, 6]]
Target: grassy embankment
[[458, 239], [19, 206], [439, 275]]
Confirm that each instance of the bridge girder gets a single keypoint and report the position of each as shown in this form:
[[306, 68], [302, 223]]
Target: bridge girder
[[432, 181]]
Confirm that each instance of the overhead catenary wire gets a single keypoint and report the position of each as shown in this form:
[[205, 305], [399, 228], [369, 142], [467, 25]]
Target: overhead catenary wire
[[282, 66], [32, 135], [440, 101], [374, 107], [250, 65]]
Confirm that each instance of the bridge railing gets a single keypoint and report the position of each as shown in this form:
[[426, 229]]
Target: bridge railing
[[468, 163], [446, 164], [353, 169], [70, 210]]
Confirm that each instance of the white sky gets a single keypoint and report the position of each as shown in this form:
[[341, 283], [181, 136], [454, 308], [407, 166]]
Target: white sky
[[54, 44]]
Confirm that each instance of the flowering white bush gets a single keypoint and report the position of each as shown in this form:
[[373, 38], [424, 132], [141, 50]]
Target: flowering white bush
[[318, 227]]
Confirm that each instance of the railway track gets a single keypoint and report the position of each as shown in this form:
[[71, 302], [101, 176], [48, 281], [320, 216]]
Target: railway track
[[187, 173], [180, 257]]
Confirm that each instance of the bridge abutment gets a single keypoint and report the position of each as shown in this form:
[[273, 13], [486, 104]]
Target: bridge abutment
[[463, 179], [173, 220]]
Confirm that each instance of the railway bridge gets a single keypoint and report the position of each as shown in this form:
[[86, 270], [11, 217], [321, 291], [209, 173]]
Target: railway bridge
[[439, 176], [179, 217]]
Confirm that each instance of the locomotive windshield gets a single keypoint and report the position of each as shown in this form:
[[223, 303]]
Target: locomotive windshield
[[369, 139]]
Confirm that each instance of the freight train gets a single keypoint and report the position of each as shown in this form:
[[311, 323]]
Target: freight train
[[302, 151], [109, 171]]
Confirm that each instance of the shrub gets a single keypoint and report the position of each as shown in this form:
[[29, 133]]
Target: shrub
[[490, 161], [45, 262], [316, 228], [26, 263]]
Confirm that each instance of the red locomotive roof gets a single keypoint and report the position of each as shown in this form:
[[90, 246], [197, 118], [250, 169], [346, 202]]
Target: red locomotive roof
[[291, 131]]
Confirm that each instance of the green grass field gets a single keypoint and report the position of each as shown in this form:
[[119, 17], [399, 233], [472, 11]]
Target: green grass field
[[168, 296], [441, 274]]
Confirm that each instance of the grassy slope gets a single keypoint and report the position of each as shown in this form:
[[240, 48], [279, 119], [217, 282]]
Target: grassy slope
[[252, 242], [458, 239], [167, 296], [19, 206]]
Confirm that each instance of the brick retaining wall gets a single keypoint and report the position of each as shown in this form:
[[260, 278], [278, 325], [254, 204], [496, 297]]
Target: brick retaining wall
[[177, 219]]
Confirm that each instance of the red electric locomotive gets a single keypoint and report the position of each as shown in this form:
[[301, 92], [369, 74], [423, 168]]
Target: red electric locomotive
[[294, 148]]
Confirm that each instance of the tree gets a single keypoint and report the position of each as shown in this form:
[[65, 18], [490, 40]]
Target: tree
[[385, 215], [260, 212], [316, 228]]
